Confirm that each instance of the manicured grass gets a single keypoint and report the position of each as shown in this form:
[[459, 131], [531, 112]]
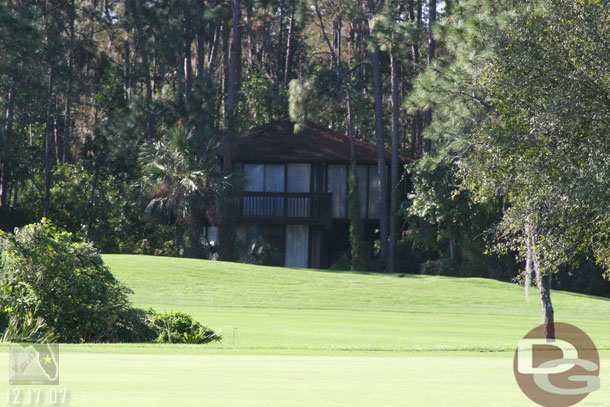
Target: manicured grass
[[319, 338], [110, 379], [269, 309]]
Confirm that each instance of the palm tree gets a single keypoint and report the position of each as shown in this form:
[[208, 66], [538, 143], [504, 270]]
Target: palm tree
[[182, 182]]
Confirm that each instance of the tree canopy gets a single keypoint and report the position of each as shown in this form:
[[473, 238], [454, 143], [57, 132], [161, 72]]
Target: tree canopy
[[112, 109]]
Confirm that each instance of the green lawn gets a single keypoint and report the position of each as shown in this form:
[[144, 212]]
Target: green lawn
[[272, 309], [321, 338]]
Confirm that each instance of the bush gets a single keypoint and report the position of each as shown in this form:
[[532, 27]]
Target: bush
[[178, 327], [133, 325], [264, 254], [53, 288], [46, 276], [31, 330], [343, 264], [254, 249]]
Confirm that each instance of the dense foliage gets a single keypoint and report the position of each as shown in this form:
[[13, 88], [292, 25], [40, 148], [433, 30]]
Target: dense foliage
[[53, 287], [115, 116], [178, 327], [522, 118], [46, 276]]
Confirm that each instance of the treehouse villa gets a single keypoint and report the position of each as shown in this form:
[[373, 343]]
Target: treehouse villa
[[296, 194]]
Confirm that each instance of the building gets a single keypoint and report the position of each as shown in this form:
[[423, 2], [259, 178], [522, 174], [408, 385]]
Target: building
[[296, 194]]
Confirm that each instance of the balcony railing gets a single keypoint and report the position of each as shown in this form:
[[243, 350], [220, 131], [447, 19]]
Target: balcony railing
[[287, 207]]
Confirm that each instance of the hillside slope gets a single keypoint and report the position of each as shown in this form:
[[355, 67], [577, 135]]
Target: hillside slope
[[278, 308]]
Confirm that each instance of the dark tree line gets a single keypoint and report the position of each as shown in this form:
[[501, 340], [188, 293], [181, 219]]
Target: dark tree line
[[87, 83], [93, 93]]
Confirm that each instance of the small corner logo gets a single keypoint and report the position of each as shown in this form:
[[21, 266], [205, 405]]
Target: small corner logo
[[557, 372], [31, 363]]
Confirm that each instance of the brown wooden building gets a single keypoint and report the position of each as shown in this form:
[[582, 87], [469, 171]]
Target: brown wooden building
[[296, 195]]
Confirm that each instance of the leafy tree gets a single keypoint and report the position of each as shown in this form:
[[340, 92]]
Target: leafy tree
[[47, 277], [548, 148], [448, 226], [510, 102], [183, 183]]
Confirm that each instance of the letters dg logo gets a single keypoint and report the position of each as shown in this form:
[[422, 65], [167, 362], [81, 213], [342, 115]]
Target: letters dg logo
[[559, 372]]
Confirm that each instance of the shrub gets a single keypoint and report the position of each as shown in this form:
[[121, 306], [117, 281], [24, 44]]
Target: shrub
[[344, 263], [133, 325], [46, 276], [31, 330], [264, 254], [53, 288], [178, 327]]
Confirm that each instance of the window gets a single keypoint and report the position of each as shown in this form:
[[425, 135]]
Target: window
[[337, 184], [264, 178], [255, 177], [274, 177]]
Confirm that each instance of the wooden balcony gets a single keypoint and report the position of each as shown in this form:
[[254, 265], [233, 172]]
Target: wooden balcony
[[304, 208]]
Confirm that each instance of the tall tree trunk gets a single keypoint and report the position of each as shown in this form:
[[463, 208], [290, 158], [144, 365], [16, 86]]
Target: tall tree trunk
[[431, 21], [227, 231], [350, 130], [57, 138], [416, 132], [211, 67], [49, 39], [127, 70], [431, 51], [233, 85], [381, 164], [187, 63], [200, 57], [339, 43], [251, 42], [277, 76], [394, 163], [3, 151], [47, 143], [181, 76], [289, 49], [68, 101], [548, 314], [528, 262], [147, 79], [188, 73], [543, 283], [225, 66]]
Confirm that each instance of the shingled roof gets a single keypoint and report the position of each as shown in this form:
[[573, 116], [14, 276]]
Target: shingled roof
[[276, 143]]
